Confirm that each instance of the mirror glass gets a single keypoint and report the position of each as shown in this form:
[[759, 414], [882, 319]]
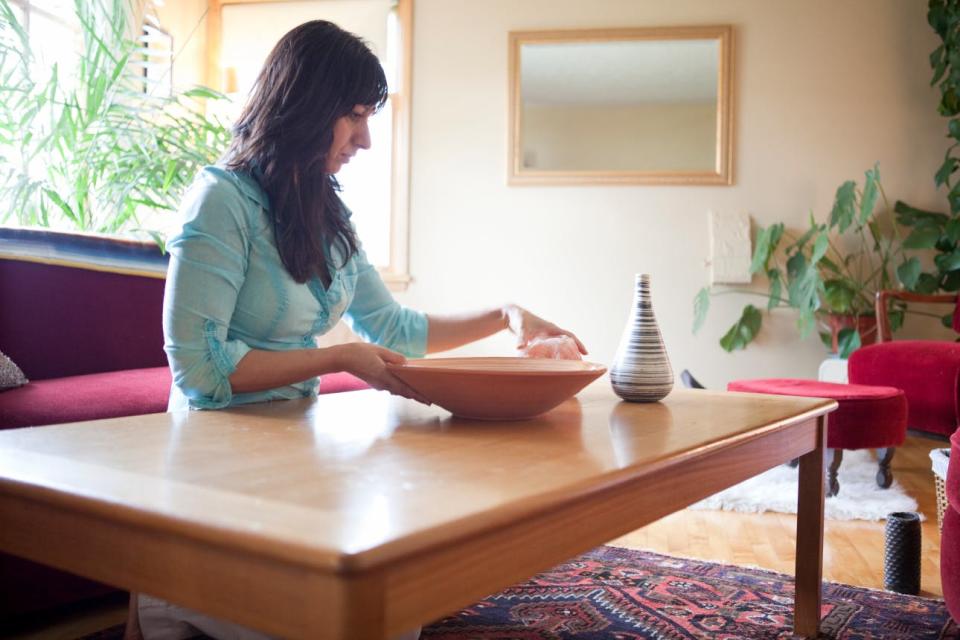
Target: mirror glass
[[624, 105]]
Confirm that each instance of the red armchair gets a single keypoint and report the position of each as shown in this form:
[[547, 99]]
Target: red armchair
[[928, 371]]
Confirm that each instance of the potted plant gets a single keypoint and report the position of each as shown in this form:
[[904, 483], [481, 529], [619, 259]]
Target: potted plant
[[829, 273], [99, 148]]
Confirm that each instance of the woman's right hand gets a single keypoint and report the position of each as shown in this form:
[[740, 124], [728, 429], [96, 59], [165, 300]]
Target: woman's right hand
[[369, 363]]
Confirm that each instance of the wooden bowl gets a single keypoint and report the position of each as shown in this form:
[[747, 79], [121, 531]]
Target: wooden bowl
[[497, 388]]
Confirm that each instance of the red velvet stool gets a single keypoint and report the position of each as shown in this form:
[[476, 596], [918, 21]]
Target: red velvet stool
[[868, 418]]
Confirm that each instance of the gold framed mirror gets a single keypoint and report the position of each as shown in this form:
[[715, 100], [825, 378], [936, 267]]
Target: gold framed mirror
[[631, 106]]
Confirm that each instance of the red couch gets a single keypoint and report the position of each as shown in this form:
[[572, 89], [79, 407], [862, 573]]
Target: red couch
[[950, 537], [91, 344]]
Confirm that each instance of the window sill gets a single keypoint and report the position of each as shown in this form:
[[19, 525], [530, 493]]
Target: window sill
[[113, 254], [96, 252], [394, 281]]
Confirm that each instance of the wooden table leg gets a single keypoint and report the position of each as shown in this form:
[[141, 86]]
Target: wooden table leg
[[809, 571]]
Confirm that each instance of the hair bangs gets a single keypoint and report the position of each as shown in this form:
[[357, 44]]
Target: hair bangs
[[369, 85]]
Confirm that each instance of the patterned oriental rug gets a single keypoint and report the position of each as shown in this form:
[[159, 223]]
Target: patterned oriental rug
[[614, 593], [620, 593]]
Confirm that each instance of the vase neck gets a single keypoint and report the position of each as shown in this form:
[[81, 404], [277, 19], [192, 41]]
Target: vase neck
[[641, 290]]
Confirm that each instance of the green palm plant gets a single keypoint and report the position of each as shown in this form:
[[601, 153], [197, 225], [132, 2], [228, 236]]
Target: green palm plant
[[97, 150]]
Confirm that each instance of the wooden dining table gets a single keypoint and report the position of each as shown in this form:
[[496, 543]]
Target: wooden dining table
[[363, 515]]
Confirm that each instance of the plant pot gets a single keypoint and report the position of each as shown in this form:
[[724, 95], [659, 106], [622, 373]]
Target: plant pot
[[866, 326]]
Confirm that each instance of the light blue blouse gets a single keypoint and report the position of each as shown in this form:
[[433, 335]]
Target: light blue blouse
[[227, 292]]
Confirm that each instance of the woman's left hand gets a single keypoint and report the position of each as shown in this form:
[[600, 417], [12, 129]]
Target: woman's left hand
[[529, 327]]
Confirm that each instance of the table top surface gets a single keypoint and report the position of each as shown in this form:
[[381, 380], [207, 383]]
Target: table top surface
[[350, 481]]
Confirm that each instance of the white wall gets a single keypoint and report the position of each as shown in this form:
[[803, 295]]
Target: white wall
[[184, 20], [250, 31], [823, 90]]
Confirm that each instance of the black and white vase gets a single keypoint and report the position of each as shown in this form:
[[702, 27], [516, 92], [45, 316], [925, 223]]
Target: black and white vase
[[641, 370]]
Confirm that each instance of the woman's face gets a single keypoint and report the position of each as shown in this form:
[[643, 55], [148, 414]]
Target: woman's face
[[350, 133]]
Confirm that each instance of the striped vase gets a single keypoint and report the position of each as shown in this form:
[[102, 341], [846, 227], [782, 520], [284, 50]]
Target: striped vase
[[641, 371]]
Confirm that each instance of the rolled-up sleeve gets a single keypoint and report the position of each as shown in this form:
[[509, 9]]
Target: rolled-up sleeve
[[376, 317], [208, 260]]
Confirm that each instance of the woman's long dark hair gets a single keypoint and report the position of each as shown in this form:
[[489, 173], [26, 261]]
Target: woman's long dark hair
[[315, 74]]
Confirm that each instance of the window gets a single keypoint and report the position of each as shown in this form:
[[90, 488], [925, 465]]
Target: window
[[52, 30], [240, 35], [157, 60]]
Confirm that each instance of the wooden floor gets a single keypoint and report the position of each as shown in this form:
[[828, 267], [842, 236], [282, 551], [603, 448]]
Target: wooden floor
[[853, 550]]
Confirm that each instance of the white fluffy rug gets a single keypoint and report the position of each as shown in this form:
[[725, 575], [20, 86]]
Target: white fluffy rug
[[859, 499]]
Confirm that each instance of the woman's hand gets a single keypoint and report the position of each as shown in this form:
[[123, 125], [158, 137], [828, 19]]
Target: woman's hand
[[369, 363], [552, 348], [529, 328]]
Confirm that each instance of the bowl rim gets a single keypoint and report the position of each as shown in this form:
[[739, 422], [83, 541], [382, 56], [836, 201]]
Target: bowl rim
[[437, 366]]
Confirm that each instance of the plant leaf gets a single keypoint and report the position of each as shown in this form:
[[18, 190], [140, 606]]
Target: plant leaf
[[909, 273], [743, 331], [896, 320], [204, 92], [806, 322], [870, 192], [776, 288], [767, 241], [927, 283], [948, 261], [761, 253], [160, 239], [937, 18], [803, 284], [946, 170], [830, 264], [701, 305], [951, 282], [923, 238], [938, 64], [802, 240], [952, 230], [839, 295], [827, 339], [908, 215], [848, 341], [844, 203], [820, 247], [57, 200]]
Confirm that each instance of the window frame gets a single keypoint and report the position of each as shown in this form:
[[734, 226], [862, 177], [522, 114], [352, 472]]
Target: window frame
[[396, 274], [30, 6]]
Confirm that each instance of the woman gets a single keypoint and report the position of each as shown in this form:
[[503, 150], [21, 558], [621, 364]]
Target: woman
[[268, 259]]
